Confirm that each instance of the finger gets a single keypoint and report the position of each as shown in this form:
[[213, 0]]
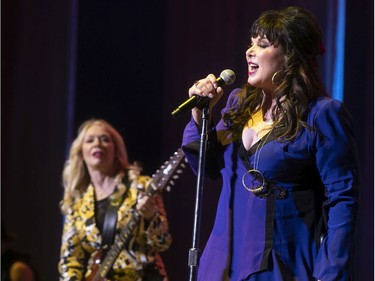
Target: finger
[[219, 91], [142, 200], [205, 87], [212, 78], [195, 90]]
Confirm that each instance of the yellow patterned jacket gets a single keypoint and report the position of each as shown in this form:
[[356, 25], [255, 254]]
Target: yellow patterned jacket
[[81, 238]]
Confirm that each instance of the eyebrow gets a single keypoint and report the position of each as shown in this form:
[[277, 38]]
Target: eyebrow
[[259, 38], [100, 136]]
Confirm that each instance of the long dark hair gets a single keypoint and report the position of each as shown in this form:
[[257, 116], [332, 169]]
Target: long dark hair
[[297, 32]]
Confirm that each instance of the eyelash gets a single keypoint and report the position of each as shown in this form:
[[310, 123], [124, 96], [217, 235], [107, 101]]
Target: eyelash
[[263, 46], [103, 139]]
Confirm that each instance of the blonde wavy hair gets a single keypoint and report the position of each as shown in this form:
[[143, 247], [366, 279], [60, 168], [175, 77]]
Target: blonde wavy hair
[[75, 175]]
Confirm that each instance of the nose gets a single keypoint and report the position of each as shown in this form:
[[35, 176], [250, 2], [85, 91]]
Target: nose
[[96, 142], [249, 52]]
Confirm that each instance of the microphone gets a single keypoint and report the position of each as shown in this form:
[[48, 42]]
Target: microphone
[[227, 77]]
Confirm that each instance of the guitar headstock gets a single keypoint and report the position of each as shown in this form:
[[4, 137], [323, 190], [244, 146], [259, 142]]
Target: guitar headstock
[[171, 169]]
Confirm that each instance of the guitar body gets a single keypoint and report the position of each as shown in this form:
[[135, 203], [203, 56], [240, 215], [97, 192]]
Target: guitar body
[[95, 269]]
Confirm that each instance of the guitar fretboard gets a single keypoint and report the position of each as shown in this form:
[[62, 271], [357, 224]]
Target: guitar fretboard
[[119, 244]]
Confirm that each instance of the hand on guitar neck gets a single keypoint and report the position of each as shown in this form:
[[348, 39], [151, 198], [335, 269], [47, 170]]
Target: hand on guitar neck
[[146, 207]]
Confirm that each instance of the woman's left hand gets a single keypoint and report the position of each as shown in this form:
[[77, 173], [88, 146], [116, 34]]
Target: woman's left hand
[[146, 206]]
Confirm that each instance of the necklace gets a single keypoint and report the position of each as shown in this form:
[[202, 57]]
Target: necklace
[[257, 181], [254, 181]]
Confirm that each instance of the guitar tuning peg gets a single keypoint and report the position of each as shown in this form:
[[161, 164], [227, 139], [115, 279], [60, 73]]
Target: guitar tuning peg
[[179, 171], [175, 177], [183, 165], [168, 188], [172, 182]]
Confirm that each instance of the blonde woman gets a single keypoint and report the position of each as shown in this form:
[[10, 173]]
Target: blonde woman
[[102, 190]]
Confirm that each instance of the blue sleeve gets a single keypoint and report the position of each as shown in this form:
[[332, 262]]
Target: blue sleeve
[[337, 163], [191, 143], [191, 147]]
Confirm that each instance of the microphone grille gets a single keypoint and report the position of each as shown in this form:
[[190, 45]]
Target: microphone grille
[[228, 76]]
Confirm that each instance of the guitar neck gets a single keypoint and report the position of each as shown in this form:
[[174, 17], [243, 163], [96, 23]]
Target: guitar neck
[[163, 177], [119, 244]]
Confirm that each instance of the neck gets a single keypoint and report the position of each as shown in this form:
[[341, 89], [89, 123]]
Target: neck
[[101, 179], [268, 105], [104, 184]]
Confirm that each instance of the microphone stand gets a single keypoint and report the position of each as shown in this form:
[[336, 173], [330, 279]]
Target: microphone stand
[[194, 250]]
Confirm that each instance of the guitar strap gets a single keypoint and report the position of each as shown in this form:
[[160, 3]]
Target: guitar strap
[[110, 220]]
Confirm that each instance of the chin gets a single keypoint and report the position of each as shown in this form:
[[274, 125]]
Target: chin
[[252, 83]]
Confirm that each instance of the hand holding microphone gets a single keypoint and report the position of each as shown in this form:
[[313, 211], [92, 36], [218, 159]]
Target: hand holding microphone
[[204, 90]]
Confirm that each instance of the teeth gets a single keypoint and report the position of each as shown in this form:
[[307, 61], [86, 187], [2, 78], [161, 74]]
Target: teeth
[[253, 66]]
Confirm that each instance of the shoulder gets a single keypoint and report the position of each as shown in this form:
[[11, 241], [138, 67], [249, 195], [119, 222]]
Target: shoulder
[[85, 199], [325, 104], [232, 101], [144, 179], [324, 108], [141, 182], [331, 119], [233, 96]]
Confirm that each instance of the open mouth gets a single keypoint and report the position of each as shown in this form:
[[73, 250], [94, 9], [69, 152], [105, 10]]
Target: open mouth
[[253, 66], [98, 154]]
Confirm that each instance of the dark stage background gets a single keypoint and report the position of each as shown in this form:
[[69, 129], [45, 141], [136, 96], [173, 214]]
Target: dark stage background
[[131, 62]]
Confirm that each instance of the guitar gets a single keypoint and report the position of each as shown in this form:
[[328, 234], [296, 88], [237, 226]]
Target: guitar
[[162, 179]]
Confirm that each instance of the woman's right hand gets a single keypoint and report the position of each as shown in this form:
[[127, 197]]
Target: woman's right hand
[[206, 87]]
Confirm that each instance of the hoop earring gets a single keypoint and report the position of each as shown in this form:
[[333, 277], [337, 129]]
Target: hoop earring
[[273, 80]]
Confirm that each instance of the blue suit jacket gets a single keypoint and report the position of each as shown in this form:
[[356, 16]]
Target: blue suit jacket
[[311, 230]]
